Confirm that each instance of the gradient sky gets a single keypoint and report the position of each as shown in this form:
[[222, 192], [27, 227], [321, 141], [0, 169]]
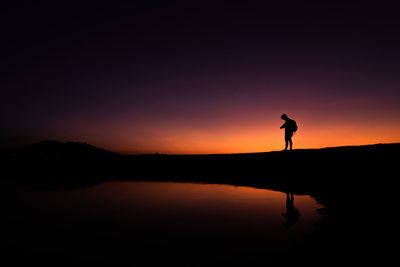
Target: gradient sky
[[196, 78]]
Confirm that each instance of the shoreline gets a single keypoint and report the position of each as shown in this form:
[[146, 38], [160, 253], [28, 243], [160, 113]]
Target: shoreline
[[349, 182]]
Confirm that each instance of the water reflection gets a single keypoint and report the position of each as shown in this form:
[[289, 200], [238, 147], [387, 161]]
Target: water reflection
[[292, 214], [117, 216]]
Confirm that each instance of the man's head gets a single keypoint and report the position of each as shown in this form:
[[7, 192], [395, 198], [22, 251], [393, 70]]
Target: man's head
[[284, 117]]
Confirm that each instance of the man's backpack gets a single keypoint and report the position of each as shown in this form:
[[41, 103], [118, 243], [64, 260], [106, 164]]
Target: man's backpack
[[293, 126]]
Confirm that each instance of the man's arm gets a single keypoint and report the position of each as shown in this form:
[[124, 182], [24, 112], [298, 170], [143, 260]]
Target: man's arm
[[284, 125]]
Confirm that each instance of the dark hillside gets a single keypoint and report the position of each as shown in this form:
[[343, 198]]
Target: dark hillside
[[355, 184]]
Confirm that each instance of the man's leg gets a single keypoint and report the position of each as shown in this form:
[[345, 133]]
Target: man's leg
[[291, 143], [287, 140]]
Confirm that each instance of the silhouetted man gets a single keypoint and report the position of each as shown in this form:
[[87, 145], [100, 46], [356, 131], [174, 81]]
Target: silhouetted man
[[290, 127]]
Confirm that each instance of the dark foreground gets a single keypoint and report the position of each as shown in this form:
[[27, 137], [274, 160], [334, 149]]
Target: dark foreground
[[354, 184]]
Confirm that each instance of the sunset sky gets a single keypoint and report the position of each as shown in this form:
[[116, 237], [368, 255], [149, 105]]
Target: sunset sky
[[197, 78]]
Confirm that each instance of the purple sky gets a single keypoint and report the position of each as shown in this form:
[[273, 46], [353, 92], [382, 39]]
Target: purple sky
[[189, 78]]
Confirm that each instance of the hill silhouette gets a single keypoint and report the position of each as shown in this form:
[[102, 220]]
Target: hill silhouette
[[53, 150], [76, 163], [355, 184], [52, 164]]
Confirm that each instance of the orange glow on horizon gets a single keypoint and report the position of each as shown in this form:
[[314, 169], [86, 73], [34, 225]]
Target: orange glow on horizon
[[243, 128], [254, 138]]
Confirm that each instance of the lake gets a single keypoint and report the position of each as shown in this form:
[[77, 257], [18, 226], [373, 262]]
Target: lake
[[119, 222]]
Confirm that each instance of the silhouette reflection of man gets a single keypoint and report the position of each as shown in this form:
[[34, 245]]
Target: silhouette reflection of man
[[292, 215], [288, 125]]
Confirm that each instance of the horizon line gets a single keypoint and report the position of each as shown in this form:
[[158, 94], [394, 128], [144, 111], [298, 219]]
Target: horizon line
[[199, 154]]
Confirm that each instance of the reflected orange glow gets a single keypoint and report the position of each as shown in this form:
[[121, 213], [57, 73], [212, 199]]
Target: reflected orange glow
[[185, 213], [171, 194]]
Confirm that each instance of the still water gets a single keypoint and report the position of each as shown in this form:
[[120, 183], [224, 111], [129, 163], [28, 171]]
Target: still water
[[118, 219]]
